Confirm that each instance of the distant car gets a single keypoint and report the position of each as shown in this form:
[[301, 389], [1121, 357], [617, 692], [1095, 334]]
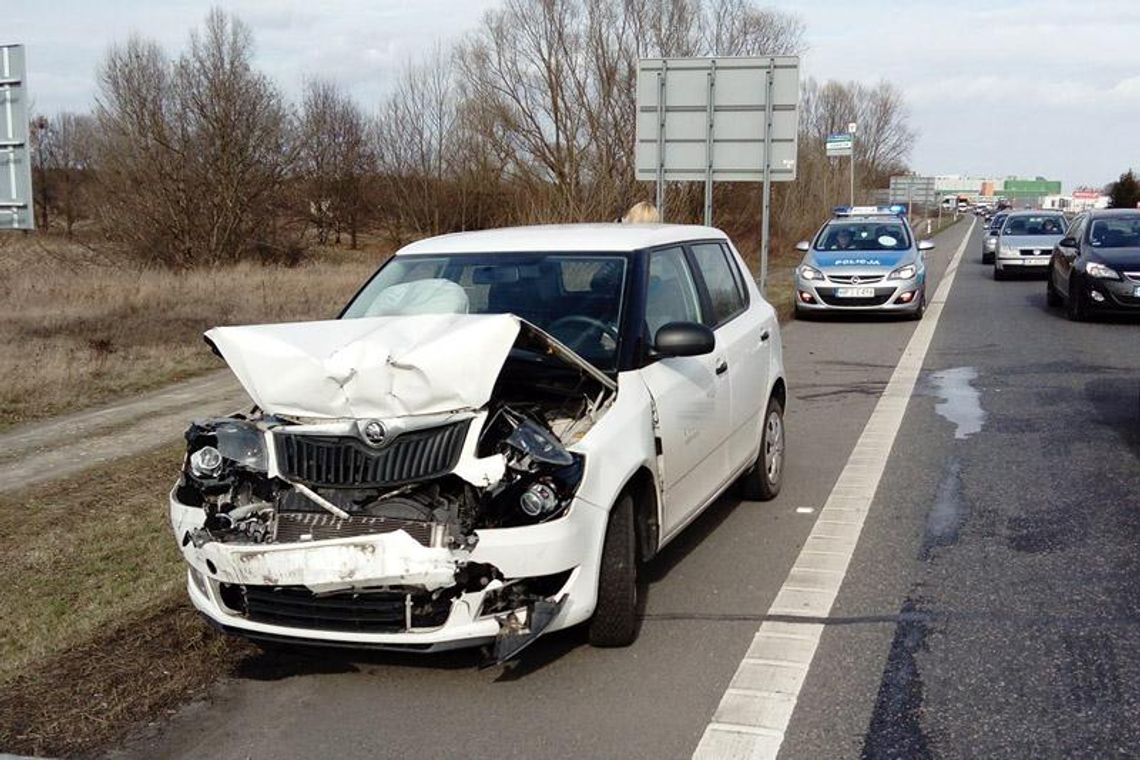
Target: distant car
[[498, 430], [864, 259], [989, 239], [1025, 241], [1096, 266]]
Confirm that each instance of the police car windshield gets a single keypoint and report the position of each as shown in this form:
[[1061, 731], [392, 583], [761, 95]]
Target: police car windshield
[[863, 235]]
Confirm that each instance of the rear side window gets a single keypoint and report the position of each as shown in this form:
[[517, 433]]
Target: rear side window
[[722, 283]]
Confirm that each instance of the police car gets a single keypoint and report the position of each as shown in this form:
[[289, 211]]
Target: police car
[[865, 258]]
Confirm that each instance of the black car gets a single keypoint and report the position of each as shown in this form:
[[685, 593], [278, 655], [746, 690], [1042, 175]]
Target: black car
[[1096, 266]]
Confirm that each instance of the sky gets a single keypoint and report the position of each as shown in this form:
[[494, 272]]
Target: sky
[[998, 88]]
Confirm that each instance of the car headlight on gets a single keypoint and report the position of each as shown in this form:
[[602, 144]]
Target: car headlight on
[[1100, 271], [810, 273], [904, 273]]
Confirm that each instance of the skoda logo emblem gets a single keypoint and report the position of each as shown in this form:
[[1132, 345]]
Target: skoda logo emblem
[[856, 280], [375, 434]]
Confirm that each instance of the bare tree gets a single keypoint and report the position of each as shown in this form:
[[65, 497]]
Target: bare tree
[[337, 161], [193, 153]]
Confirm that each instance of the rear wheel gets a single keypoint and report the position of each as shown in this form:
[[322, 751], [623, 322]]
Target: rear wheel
[[614, 623], [1052, 297], [762, 482]]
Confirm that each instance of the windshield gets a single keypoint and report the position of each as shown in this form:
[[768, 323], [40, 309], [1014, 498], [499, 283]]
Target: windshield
[[1034, 225], [863, 236], [577, 298], [1115, 233]]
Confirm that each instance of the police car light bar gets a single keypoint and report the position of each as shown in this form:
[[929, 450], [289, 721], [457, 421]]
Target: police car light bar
[[870, 210]]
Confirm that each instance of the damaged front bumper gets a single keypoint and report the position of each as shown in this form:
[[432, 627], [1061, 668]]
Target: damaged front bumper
[[388, 590]]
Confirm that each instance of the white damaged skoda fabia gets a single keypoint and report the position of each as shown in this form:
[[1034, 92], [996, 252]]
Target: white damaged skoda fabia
[[500, 429]]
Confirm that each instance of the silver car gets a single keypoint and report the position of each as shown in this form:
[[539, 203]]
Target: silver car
[[989, 239], [1025, 241], [865, 259]]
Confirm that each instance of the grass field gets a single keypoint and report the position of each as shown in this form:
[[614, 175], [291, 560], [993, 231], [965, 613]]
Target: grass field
[[76, 331]]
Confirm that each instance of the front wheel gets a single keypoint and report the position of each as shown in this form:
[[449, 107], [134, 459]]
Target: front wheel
[[1052, 297], [1075, 307], [917, 313], [987, 258], [614, 623], [999, 274], [763, 480]]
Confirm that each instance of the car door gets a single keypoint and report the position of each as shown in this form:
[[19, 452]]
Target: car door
[[1064, 259], [744, 331], [690, 395]]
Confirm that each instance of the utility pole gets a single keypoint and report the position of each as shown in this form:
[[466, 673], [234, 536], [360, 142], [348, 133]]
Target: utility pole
[[851, 131]]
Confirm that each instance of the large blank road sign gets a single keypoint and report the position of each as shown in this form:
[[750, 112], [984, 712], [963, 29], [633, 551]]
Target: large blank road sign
[[696, 115], [15, 157]]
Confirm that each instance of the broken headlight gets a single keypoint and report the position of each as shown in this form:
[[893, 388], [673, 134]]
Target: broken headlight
[[217, 451]]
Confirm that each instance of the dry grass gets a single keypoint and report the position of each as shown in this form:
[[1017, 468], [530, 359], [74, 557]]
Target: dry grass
[[76, 331], [97, 634]]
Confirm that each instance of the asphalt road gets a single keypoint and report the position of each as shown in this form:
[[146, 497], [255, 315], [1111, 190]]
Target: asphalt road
[[990, 608]]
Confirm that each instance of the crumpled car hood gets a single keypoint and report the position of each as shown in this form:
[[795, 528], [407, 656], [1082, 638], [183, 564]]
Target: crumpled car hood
[[380, 367]]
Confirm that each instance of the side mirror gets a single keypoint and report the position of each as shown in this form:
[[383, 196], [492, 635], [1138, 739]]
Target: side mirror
[[684, 339], [926, 245], [1067, 242], [803, 246]]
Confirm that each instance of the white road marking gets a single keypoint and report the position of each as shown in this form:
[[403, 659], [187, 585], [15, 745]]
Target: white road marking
[[756, 708], [805, 510]]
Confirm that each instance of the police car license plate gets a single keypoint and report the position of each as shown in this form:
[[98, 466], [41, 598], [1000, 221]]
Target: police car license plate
[[855, 292]]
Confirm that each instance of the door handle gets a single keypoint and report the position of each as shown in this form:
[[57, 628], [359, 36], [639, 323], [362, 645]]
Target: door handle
[[765, 335], [722, 367]]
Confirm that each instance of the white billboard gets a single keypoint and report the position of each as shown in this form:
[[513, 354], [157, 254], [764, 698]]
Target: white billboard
[[698, 117]]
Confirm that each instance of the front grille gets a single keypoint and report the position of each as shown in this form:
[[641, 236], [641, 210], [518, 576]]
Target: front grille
[[355, 611], [293, 527], [827, 295], [344, 462], [849, 279]]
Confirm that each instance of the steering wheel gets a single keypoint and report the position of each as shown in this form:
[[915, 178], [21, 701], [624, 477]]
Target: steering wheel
[[594, 325]]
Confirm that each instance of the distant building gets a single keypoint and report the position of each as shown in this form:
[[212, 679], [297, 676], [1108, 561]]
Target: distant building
[[1080, 200], [930, 190]]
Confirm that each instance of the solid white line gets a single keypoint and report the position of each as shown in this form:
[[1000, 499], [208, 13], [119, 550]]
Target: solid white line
[[755, 729]]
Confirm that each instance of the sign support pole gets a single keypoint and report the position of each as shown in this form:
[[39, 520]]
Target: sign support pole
[[709, 145], [661, 142], [766, 215]]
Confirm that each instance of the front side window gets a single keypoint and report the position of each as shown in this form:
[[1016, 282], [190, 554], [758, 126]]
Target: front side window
[[577, 298], [672, 295], [1115, 233], [723, 287], [863, 236]]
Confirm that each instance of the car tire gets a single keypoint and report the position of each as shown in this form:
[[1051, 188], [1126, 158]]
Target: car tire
[[987, 258], [762, 482], [1075, 307], [999, 274], [1053, 299], [614, 623], [921, 310]]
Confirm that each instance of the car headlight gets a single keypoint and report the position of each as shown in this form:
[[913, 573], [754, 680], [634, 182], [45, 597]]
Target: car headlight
[[904, 273], [810, 273], [1008, 251], [1100, 271], [991, 243], [206, 462]]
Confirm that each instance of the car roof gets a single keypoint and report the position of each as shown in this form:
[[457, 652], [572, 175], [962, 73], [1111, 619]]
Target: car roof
[[609, 237], [1036, 212], [867, 218], [1101, 213]]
